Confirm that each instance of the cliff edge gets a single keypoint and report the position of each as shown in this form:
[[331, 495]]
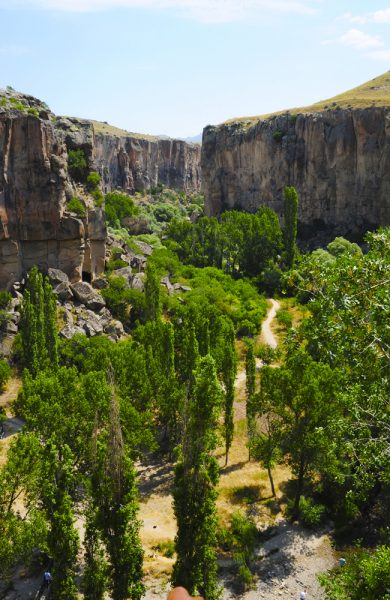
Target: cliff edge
[[336, 153]]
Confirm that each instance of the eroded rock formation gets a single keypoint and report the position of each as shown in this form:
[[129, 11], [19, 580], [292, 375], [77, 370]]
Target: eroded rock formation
[[339, 161], [36, 227]]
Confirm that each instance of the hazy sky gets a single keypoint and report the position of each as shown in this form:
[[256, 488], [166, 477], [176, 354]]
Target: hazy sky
[[174, 66]]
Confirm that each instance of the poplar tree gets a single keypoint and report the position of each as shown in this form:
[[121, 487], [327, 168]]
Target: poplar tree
[[250, 371], [152, 293], [115, 492], [290, 224], [229, 372], [38, 324], [194, 493]]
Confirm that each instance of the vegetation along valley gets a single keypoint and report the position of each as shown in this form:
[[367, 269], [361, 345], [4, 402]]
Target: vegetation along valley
[[195, 351]]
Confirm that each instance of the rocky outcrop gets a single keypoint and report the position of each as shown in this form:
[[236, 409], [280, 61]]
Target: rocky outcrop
[[339, 161], [136, 164], [35, 226]]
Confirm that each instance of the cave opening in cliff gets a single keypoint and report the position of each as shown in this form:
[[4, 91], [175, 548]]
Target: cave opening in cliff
[[87, 276]]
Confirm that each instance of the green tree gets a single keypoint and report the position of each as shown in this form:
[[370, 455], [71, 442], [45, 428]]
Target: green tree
[[77, 165], [196, 476], [290, 224], [152, 293], [115, 494]]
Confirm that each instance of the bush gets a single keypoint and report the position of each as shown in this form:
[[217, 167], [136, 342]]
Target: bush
[[284, 318], [77, 165], [75, 205], [33, 111], [5, 373], [118, 206], [366, 575], [278, 136], [167, 548], [5, 298], [93, 181], [246, 328], [311, 514]]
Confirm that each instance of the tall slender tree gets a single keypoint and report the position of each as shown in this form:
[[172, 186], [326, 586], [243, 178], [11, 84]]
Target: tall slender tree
[[290, 224], [152, 293], [196, 477]]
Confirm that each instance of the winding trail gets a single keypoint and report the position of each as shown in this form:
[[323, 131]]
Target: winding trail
[[267, 336]]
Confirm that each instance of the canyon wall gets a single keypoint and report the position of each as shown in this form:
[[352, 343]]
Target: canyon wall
[[36, 226], [339, 161]]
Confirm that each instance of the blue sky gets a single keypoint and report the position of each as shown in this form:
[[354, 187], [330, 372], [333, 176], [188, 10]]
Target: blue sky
[[174, 66]]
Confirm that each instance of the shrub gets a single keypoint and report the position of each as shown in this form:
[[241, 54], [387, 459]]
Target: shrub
[[167, 548], [75, 205], [116, 263], [77, 165], [311, 514], [284, 318], [33, 111], [278, 136], [5, 298], [118, 206], [246, 328], [93, 181], [365, 575], [5, 373]]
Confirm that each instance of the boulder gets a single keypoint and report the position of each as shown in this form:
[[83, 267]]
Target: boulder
[[114, 329], [57, 276], [138, 282], [100, 283], [165, 281], [145, 248], [181, 287], [85, 294], [69, 331], [63, 291], [138, 261], [126, 273]]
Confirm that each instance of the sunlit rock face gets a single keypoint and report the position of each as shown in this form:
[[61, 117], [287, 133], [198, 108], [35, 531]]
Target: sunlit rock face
[[35, 226], [339, 161]]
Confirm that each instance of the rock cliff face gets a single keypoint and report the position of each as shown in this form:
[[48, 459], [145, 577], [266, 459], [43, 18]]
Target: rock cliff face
[[36, 227], [339, 161], [136, 164]]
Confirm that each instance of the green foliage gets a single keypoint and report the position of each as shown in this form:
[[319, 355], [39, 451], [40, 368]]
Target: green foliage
[[33, 111], [284, 318], [5, 298], [196, 475], [5, 373], [365, 575], [93, 181], [341, 246], [75, 205], [311, 514], [240, 243], [244, 535], [278, 136], [167, 548], [118, 206], [77, 165], [152, 293], [290, 224], [38, 324]]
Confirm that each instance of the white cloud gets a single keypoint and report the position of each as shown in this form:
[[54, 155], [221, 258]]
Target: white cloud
[[209, 11], [358, 39], [379, 55], [378, 16]]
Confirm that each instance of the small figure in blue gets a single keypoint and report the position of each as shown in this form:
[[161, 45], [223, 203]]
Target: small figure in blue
[[47, 579]]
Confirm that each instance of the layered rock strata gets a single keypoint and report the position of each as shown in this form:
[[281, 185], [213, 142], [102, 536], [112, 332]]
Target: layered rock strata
[[339, 161], [35, 226]]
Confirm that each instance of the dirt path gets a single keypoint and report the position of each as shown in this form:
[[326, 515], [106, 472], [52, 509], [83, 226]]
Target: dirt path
[[267, 336]]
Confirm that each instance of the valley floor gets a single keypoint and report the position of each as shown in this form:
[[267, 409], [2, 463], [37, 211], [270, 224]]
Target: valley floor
[[285, 564]]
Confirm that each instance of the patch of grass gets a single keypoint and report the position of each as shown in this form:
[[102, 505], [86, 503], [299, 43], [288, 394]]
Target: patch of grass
[[372, 93], [166, 548], [246, 494]]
